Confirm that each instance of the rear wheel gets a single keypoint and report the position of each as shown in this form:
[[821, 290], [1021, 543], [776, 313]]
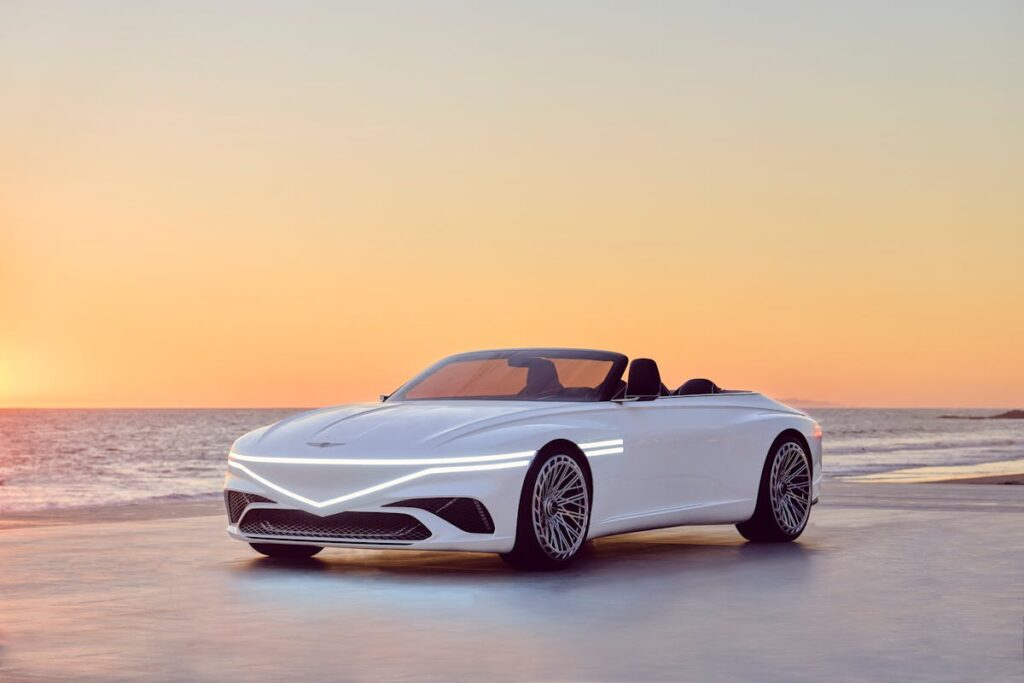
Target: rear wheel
[[554, 513], [284, 551], [784, 498]]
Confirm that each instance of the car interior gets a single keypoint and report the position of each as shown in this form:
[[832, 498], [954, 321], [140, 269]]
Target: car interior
[[644, 383], [547, 375], [542, 381]]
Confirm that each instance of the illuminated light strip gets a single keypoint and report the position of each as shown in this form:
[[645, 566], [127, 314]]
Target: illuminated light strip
[[601, 444], [411, 461], [381, 461], [377, 487], [603, 451]]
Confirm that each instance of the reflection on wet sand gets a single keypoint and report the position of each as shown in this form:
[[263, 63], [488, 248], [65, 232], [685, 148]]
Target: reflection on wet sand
[[173, 599]]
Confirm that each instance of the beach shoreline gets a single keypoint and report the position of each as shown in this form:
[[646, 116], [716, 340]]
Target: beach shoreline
[[992, 480], [120, 512], [1005, 472]]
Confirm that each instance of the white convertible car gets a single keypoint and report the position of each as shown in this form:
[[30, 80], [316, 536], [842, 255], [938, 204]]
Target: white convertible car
[[527, 453]]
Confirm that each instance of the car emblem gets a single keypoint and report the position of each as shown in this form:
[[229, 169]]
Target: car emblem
[[324, 444]]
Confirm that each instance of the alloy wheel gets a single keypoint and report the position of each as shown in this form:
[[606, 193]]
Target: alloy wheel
[[561, 507], [791, 488]]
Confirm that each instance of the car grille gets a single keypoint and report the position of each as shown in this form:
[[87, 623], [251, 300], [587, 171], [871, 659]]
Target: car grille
[[236, 502], [357, 526], [468, 514]]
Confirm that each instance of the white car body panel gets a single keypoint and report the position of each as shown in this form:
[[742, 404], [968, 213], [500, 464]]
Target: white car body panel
[[675, 460]]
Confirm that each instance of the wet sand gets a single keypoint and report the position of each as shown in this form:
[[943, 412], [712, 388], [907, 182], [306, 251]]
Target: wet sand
[[1001, 472], [919, 582]]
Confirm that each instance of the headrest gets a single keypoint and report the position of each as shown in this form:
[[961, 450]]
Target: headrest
[[644, 379], [541, 375], [698, 386]]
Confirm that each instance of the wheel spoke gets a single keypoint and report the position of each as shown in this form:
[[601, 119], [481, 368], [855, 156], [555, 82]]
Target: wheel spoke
[[795, 513], [792, 476], [574, 499], [561, 478], [575, 526], [787, 512], [798, 494], [792, 466], [568, 532], [799, 509], [563, 534], [798, 476], [565, 487], [554, 538]]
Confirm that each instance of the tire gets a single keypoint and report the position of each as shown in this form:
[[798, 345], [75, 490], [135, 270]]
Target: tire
[[784, 497], [283, 551], [554, 513]]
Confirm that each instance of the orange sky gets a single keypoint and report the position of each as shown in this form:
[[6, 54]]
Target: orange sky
[[252, 206]]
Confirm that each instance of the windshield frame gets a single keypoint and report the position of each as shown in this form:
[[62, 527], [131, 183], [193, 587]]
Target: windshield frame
[[605, 389]]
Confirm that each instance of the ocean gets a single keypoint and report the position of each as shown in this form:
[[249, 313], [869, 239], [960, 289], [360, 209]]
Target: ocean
[[74, 458]]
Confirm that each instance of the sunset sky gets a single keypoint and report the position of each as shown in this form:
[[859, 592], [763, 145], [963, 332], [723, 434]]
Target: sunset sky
[[298, 204]]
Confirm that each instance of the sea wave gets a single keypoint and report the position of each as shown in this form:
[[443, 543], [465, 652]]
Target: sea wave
[[879, 445], [37, 505], [54, 459]]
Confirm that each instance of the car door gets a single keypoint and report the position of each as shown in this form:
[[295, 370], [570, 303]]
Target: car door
[[676, 463]]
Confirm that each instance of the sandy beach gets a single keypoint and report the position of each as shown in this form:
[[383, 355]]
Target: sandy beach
[[916, 582]]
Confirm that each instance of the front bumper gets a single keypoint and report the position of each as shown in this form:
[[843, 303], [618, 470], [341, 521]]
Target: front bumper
[[497, 489]]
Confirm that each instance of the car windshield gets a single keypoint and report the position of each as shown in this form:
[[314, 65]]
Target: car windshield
[[519, 375]]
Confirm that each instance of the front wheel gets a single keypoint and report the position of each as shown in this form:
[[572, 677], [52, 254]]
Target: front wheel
[[554, 514], [784, 498], [284, 551]]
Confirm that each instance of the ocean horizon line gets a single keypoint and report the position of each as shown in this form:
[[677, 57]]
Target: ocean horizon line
[[812, 405]]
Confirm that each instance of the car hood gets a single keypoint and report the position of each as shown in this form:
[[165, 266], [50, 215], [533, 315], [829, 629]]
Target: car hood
[[404, 429]]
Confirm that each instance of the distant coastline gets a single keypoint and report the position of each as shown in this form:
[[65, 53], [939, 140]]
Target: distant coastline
[[1008, 415]]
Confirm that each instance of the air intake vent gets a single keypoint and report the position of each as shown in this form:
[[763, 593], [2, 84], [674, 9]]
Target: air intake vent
[[367, 527], [468, 514], [236, 502]]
